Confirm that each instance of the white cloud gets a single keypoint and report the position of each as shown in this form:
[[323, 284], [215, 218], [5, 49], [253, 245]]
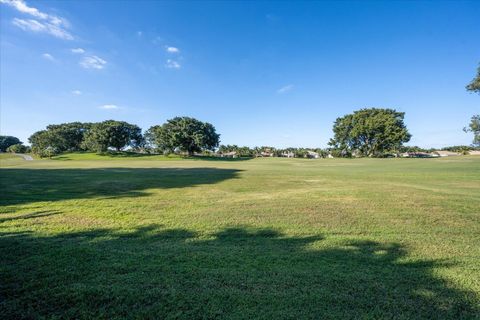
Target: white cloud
[[172, 64], [172, 49], [41, 27], [76, 92], [285, 89], [24, 8], [48, 56], [45, 23], [78, 50], [93, 62], [109, 107]]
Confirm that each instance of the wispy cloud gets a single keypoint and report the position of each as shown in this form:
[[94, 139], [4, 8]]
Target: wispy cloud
[[109, 107], [93, 62], [172, 64], [172, 49], [41, 27], [43, 22], [285, 89], [76, 92], [48, 56], [78, 50]]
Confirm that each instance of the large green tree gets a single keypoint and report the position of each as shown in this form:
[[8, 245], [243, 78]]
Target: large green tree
[[69, 135], [184, 134], [112, 134], [59, 138], [45, 143], [7, 141], [474, 86], [474, 127], [370, 132]]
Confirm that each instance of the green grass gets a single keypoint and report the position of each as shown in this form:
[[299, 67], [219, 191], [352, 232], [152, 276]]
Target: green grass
[[87, 236]]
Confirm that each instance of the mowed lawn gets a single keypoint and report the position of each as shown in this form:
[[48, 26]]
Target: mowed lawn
[[86, 236]]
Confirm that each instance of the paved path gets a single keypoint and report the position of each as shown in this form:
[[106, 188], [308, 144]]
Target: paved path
[[24, 156]]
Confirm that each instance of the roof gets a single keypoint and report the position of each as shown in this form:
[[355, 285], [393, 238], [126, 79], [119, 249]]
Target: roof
[[447, 153]]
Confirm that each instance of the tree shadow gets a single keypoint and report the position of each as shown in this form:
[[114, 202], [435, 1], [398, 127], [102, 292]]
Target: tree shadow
[[20, 186], [237, 273], [33, 215]]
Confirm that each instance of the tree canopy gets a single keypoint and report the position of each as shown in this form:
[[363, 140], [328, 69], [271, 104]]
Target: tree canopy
[[185, 134], [7, 141], [18, 148], [474, 86], [112, 134], [59, 138], [474, 127], [370, 132]]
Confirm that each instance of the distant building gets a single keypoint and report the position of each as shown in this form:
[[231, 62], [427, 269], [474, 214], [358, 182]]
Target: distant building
[[312, 154], [266, 154], [417, 155], [446, 153], [288, 154], [231, 154]]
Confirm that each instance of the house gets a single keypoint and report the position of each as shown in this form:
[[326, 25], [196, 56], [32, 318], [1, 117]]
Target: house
[[266, 154], [416, 155], [231, 154], [446, 153], [312, 154], [288, 154]]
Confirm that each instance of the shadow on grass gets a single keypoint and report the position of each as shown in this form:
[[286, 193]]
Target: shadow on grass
[[21, 186], [237, 273], [33, 215]]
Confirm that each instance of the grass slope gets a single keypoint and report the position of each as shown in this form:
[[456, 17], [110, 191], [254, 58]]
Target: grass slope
[[112, 237]]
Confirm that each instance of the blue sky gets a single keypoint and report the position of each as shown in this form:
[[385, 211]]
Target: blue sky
[[264, 73]]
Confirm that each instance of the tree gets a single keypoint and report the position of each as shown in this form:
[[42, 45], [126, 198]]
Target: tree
[[59, 137], [474, 86], [7, 141], [45, 143], [474, 127], [184, 134], [69, 136], [17, 148], [369, 132], [112, 134]]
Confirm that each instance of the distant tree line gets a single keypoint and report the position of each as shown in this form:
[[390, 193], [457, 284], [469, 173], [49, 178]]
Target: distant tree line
[[372, 132], [268, 151], [181, 134]]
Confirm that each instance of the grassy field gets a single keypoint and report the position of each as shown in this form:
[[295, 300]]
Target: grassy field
[[86, 236]]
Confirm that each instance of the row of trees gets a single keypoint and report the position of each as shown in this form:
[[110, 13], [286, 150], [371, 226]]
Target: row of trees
[[367, 132], [181, 134], [370, 132], [271, 151]]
